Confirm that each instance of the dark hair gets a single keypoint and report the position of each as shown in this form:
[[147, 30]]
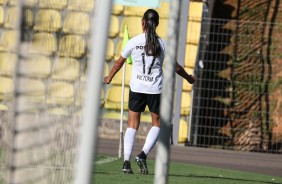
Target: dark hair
[[152, 45]]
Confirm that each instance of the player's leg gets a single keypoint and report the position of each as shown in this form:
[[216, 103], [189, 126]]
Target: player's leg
[[133, 124], [153, 102], [129, 136], [136, 106], [153, 134]]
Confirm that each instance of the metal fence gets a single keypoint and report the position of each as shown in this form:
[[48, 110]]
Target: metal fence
[[237, 98]]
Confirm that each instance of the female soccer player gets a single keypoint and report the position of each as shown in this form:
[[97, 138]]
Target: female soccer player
[[148, 52]]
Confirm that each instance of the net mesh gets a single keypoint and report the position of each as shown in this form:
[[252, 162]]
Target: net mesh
[[235, 103], [44, 91]]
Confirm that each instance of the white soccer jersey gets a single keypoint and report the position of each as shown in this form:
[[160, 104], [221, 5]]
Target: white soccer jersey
[[147, 74]]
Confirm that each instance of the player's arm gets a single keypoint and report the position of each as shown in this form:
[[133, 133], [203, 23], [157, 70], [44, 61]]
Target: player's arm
[[117, 66], [180, 71]]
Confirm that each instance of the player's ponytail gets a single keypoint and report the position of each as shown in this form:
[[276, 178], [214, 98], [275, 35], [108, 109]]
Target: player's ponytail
[[152, 45]]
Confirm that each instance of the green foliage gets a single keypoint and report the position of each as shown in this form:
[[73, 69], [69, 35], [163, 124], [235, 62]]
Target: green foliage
[[251, 83], [248, 86], [275, 84], [2, 155]]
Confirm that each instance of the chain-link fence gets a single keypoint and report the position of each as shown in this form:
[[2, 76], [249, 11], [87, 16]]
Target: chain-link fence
[[237, 99]]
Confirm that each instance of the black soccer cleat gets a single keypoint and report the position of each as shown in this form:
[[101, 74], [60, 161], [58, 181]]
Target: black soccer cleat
[[126, 168], [141, 162]]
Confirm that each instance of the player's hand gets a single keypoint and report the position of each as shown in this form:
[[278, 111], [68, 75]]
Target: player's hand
[[191, 79], [107, 80]]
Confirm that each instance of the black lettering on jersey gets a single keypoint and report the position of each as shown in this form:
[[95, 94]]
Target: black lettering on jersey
[[148, 78], [145, 78], [140, 47]]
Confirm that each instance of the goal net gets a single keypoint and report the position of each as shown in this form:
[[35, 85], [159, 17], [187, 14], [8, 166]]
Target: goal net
[[42, 86]]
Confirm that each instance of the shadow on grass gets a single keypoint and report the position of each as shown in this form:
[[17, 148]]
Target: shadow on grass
[[196, 176], [107, 173], [221, 178]]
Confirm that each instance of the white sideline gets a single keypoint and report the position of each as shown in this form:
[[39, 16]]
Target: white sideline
[[107, 160]]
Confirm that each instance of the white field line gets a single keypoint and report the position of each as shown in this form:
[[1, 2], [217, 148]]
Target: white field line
[[106, 160]]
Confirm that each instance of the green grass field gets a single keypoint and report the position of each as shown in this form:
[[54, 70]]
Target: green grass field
[[110, 172]]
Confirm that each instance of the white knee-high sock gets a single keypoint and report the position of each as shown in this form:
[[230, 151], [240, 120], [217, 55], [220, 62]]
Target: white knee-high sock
[[151, 139], [129, 137]]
